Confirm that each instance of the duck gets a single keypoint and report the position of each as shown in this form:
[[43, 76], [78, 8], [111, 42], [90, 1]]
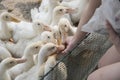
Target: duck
[[30, 31], [45, 51], [43, 5], [46, 10], [59, 73], [5, 31], [65, 28], [59, 12], [7, 64], [46, 37], [30, 50], [4, 53], [16, 49], [50, 63], [57, 35], [78, 5]]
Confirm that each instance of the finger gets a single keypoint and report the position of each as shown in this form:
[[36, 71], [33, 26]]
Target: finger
[[65, 51]]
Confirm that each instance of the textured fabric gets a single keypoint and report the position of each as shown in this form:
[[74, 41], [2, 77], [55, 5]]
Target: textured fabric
[[107, 11]]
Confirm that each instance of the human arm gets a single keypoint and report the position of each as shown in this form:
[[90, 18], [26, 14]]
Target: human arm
[[86, 15]]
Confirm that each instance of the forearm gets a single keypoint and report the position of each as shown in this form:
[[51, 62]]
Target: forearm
[[87, 14]]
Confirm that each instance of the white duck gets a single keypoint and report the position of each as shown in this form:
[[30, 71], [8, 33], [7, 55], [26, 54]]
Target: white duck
[[59, 12], [57, 35], [30, 50], [6, 64], [17, 50], [30, 30], [65, 28], [5, 31], [46, 37], [4, 53], [79, 5], [46, 10], [59, 73], [45, 51]]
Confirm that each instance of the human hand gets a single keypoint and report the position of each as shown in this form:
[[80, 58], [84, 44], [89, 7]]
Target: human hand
[[114, 37], [69, 44]]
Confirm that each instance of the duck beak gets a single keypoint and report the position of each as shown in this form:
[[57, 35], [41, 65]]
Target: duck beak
[[15, 19], [20, 60], [46, 27], [70, 10]]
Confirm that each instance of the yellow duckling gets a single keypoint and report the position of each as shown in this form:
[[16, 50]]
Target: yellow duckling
[[5, 31]]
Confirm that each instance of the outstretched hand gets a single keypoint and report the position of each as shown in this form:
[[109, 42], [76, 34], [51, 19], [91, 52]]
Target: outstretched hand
[[69, 45]]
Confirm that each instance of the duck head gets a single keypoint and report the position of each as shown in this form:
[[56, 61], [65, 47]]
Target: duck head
[[40, 27], [8, 17], [61, 10], [49, 49], [64, 26], [47, 36], [33, 48], [10, 62]]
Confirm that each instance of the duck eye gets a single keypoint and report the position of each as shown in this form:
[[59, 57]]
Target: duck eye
[[52, 47], [11, 62], [65, 25], [6, 16], [36, 47], [48, 37], [38, 24], [60, 10]]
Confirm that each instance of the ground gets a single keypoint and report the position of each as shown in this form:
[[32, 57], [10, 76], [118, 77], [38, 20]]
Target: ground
[[20, 8]]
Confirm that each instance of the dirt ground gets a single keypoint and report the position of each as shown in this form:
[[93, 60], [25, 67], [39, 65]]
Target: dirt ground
[[20, 8]]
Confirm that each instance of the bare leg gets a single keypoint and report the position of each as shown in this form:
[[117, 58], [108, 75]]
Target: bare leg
[[110, 57], [110, 72]]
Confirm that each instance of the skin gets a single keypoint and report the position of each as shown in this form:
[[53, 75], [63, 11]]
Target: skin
[[109, 71], [87, 14]]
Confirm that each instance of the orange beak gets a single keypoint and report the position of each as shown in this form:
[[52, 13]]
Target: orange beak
[[70, 10], [15, 19], [20, 60], [47, 28]]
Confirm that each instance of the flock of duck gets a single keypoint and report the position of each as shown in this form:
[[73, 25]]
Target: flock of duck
[[28, 50]]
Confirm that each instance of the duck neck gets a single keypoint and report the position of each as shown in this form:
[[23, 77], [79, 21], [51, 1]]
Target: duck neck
[[38, 32], [4, 27], [28, 55], [55, 19], [50, 10], [3, 69], [70, 32], [41, 59]]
